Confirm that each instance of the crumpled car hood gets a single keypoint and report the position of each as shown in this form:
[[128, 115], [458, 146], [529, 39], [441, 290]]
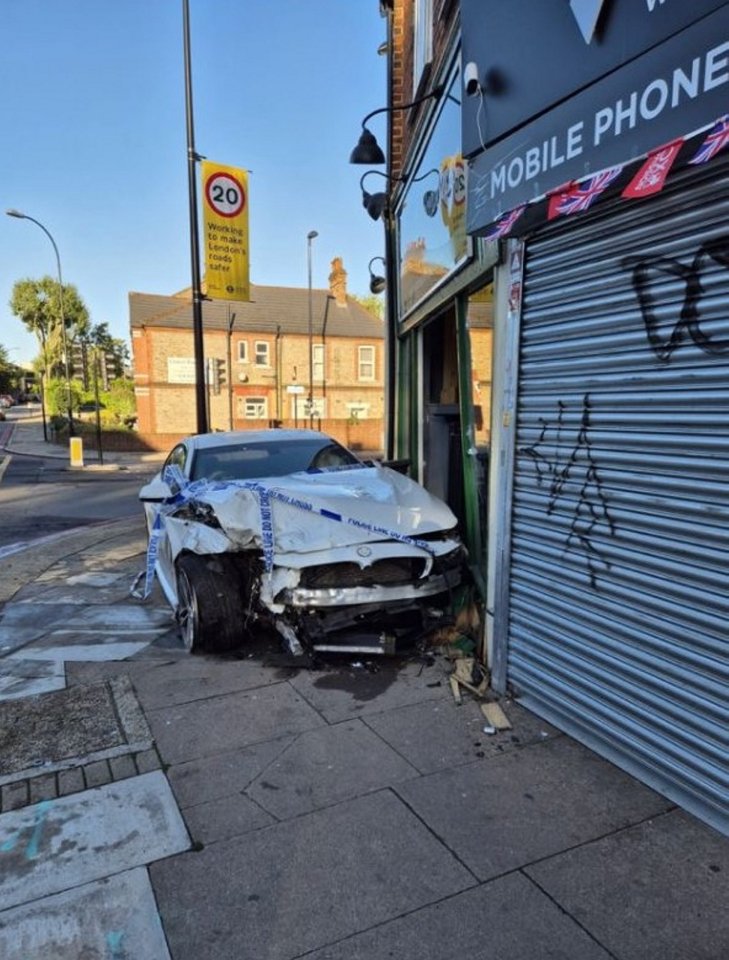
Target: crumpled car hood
[[317, 511]]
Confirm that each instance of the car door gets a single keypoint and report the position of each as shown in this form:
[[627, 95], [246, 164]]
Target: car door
[[164, 565]]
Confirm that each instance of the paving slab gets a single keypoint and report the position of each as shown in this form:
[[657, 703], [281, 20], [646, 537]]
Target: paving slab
[[223, 774], [24, 678], [299, 885], [344, 692], [503, 813], [223, 819], [438, 735], [326, 766], [59, 844], [198, 678], [80, 592], [219, 724], [129, 616], [78, 672], [102, 648], [506, 919], [36, 616], [111, 918], [13, 638], [656, 891], [65, 728]]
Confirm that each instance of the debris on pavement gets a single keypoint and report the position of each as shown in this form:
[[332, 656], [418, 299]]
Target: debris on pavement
[[495, 716]]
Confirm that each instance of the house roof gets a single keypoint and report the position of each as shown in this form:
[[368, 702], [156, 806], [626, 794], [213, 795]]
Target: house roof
[[268, 308]]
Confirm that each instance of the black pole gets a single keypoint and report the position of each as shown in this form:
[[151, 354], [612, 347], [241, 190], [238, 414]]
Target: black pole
[[231, 321], [192, 157], [43, 406]]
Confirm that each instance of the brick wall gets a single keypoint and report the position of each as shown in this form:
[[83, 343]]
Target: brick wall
[[169, 409]]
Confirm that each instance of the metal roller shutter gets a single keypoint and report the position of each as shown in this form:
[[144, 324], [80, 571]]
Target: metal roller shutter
[[619, 607]]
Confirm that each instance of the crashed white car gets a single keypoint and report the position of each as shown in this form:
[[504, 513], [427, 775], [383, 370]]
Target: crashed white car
[[289, 528]]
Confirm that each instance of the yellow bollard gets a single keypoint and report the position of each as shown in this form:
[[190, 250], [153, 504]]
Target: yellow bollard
[[76, 451]]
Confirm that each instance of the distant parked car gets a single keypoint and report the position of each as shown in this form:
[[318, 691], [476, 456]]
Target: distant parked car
[[6, 400], [289, 528]]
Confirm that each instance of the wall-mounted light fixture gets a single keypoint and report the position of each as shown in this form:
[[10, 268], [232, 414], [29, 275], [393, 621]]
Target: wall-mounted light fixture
[[376, 203], [377, 283], [368, 150]]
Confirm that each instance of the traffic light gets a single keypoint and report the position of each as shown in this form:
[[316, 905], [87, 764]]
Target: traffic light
[[218, 372], [79, 362], [109, 368]]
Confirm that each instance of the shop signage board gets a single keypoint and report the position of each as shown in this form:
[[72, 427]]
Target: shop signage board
[[536, 54], [671, 90]]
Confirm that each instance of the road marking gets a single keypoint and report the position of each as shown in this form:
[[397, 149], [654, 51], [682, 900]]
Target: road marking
[[4, 466]]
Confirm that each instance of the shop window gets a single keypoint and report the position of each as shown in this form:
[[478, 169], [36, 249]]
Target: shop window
[[253, 408], [262, 353], [432, 220], [242, 351], [366, 363], [422, 42]]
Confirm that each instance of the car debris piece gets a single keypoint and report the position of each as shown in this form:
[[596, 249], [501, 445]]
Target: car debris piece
[[455, 690], [495, 716]]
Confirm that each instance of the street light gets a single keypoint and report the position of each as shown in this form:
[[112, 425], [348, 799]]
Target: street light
[[24, 216], [377, 283], [309, 237], [368, 150]]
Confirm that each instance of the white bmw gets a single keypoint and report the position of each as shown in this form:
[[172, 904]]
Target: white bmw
[[290, 527]]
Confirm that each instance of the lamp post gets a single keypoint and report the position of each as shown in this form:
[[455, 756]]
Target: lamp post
[[309, 237], [24, 216], [197, 297]]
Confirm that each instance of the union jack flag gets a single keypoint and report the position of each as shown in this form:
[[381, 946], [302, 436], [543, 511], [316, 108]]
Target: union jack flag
[[580, 197], [504, 225], [716, 141]]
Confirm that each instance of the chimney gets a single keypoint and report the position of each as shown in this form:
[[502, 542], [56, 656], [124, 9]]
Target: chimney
[[338, 282]]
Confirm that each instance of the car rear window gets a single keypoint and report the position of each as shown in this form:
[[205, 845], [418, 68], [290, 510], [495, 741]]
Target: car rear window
[[250, 461]]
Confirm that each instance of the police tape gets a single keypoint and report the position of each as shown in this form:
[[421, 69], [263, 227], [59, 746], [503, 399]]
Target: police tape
[[188, 491]]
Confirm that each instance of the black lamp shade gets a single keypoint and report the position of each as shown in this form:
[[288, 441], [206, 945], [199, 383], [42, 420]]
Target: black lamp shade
[[367, 149], [377, 284], [374, 203]]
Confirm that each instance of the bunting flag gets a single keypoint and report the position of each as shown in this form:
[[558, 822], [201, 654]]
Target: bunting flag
[[578, 197], [652, 175], [503, 226], [716, 141]]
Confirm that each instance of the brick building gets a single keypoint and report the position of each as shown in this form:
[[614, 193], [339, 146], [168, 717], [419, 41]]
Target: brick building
[[257, 363]]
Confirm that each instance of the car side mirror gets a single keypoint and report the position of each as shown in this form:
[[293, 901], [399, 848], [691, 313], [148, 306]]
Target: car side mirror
[[156, 491]]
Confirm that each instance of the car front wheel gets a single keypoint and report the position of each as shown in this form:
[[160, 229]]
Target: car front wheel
[[209, 604]]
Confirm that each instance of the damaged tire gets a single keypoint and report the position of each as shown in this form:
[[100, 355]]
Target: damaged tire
[[209, 604]]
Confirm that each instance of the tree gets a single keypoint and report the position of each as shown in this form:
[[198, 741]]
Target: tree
[[372, 303], [37, 304]]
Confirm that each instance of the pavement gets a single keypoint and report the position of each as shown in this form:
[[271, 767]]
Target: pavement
[[160, 806]]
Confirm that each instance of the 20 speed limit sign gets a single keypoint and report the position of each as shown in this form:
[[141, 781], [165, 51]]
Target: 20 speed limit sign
[[225, 194]]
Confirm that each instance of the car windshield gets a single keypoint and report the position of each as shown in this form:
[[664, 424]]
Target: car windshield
[[248, 461]]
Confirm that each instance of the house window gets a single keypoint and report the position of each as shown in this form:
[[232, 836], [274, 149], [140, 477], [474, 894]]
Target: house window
[[318, 362], [242, 351], [422, 40], [366, 363], [254, 408], [262, 351]]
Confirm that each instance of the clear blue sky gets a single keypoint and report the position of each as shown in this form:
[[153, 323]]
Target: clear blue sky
[[93, 117]]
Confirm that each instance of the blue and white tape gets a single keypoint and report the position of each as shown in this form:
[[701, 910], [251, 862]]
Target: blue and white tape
[[187, 491]]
